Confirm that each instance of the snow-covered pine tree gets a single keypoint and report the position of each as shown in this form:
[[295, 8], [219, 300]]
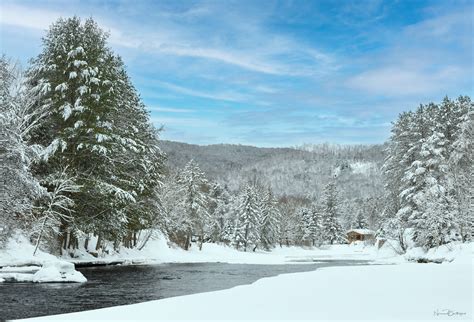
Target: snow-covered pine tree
[[428, 205], [219, 210], [408, 134], [193, 188], [317, 214], [306, 227], [96, 126], [270, 221], [19, 189], [332, 230], [397, 161], [230, 209], [360, 221], [139, 162], [247, 224], [461, 170], [174, 225]]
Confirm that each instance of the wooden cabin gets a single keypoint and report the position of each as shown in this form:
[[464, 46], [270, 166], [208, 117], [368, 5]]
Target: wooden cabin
[[360, 235]]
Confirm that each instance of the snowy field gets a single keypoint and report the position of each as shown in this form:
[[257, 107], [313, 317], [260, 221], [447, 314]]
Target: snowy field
[[406, 291]]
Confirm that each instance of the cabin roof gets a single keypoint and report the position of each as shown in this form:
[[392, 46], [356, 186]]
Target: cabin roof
[[361, 231]]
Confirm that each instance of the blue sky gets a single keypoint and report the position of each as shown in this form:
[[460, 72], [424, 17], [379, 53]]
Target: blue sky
[[273, 73]]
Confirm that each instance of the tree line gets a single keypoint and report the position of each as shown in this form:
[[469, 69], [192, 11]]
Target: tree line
[[253, 217]]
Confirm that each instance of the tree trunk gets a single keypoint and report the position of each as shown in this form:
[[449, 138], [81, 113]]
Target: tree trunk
[[40, 235], [86, 243], [145, 240], [66, 240], [116, 245], [61, 241], [200, 241], [99, 241], [188, 239], [71, 242]]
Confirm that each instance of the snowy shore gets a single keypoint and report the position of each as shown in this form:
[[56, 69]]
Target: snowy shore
[[18, 263]]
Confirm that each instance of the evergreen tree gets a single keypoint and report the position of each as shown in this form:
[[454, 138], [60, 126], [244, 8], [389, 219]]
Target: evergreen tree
[[332, 230], [360, 221], [428, 205], [317, 228], [396, 162], [219, 210], [193, 188], [461, 162], [247, 225], [97, 127], [270, 220], [306, 227]]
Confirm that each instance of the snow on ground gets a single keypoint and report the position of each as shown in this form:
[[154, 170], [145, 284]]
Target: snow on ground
[[444, 253], [158, 251], [19, 255], [50, 272], [18, 251], [373, 292], [17, 263]]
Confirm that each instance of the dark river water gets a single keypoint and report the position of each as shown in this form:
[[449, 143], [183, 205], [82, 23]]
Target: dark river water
[[119, 285]]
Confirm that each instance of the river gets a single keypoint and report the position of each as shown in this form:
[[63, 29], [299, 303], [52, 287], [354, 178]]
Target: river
[[120, 285]]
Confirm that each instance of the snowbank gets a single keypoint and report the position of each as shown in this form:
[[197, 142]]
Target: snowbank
[[58, 271], [444, 253], [51, 272], [373, 292], [18, 251], [159, 251], [19, 265]]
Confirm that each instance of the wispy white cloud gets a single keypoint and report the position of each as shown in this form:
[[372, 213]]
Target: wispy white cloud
[[40, 19], [242, 60], [169, 122], [32, 18], [431, 56], [169, 109], [219, 96], [263, 54]]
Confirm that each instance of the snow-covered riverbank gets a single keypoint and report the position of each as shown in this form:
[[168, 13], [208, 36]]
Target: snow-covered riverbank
[[19, 253], [17, 263], [17, 257], [158, 251], [373, 292]]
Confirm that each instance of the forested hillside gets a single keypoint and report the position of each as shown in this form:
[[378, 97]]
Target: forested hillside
[[298, 172]]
